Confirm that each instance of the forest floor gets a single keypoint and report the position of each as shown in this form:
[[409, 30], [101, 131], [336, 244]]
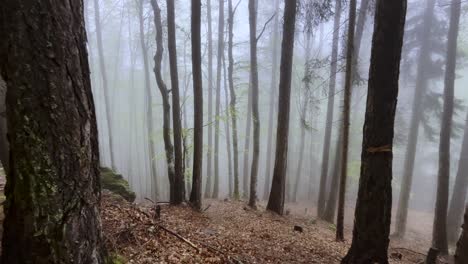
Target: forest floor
[[226, 232]]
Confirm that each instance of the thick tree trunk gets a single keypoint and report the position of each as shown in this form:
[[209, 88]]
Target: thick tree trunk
[[461, 255], [218, 95], [276, 200], [272, 102], [166, 106], [255, 111], [421, 83], [195, 196], [439, 231], [53, 189], [179, 188], [374, 202], [330, 110], [210, 102], [148, 98], [346, 106], [102, 67], [232, 103], [455, 213]]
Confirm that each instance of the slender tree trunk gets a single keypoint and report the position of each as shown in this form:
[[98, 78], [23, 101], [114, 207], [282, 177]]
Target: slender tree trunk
[[210, 103], [330, 110], [179, 188], [195, 196], [276, 200], [461, 255], [102, 66], [330, 208], [439, 232], [53, 188], [232, 103], [455, 213], [346, 106], [374, 203], [227, 128], [148, 97], [169, 148], [361, 21], [255, 111], [218, 95], [272, 104], [248, 131], [419, 92]]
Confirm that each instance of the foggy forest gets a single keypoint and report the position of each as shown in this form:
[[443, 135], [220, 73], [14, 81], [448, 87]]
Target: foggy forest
[[234, 131]]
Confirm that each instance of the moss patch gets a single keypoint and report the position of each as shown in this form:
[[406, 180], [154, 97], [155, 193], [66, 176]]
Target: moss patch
[[117, 184]]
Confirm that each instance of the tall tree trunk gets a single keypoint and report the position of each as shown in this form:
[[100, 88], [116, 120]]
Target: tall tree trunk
[[102, 66], [232, 103], [330, 110], [419, 92], [195, 196], [148, 97], [303, 117], [461, 255], [179, 188], [374, 202], [361, 21], [53, 188], [439, 231], [166, 106], [255, 111], [272, 105], [248, 131], [455, 213], [218, 95], [276, 200], [210, 103], [330, 208], [346, 106], [227, 128]]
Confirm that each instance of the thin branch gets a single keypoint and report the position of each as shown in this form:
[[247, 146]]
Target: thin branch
[[235, 8], [264, 26]]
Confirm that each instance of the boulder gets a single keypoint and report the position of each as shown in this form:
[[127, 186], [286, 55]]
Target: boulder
[[115, 183]]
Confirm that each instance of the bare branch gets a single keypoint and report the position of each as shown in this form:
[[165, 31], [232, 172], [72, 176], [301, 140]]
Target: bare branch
[[264, 26]]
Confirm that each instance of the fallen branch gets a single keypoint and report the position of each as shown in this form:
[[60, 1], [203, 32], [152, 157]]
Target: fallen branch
[[179, 237], [217, 250], [407, 249]]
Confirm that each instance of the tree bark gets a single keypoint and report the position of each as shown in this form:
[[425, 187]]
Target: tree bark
[[461, 254], [4, 145], [276, 200], [53, 188], [330, 208], [330, 110], [374, 202], [346, 106], [148, 98], [179, 189], [227, 128], [439, 231], [210, 103], [102, 66], [166, 106], [232, 103], [195, 196], [218, 95], [255, 111], [421, 83]]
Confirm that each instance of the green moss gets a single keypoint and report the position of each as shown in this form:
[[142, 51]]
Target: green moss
[[117, 184], [115, 259]]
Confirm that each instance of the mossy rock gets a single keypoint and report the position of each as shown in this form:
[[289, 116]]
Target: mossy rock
[[117, 184]]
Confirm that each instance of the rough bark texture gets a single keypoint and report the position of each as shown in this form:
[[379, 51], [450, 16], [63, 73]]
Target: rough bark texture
[[232, 103], [179, 190], [374, 202], [439, 232], [346, 106], [210, 102], [218, 95], [277, 194], [53, 189], [195, 196], [330, 110], [255, 111], [272, 100], [4, 145], [461, 255], [102, 67], [148, 98], [166, 106], [421, 83]]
